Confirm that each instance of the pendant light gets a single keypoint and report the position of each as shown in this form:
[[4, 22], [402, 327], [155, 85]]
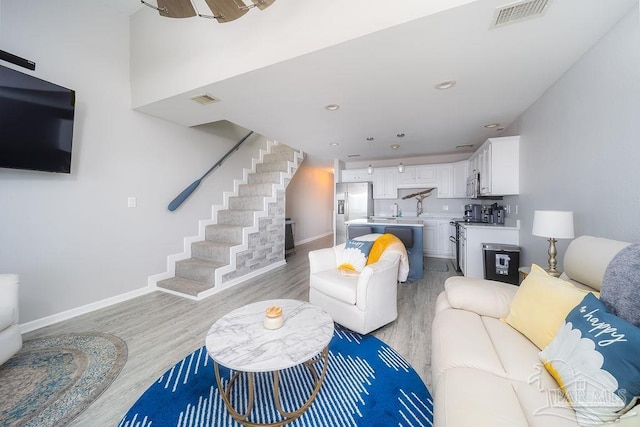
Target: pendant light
[[400, 168], [370, 169]]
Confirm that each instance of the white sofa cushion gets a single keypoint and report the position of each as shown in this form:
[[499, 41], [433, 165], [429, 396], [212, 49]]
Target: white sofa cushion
[[484, 297]]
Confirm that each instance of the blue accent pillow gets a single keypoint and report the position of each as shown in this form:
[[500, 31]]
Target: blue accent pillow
[[595, 358], [354, 256]]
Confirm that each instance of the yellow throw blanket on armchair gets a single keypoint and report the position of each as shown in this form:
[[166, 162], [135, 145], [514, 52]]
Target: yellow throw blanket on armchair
[[389, 242]]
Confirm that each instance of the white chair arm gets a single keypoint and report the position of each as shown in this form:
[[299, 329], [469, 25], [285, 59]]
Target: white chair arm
[[9, 292], [378, 283]]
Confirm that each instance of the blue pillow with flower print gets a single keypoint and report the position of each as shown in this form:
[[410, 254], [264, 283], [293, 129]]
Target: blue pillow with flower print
[[595, 358], [354, 256]]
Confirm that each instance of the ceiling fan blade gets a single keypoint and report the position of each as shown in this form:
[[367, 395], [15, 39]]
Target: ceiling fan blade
[[176, 8], [227, 10], [263, 4]]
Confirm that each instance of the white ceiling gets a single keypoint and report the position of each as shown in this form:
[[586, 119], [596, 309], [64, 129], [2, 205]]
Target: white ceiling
[[384, 82]]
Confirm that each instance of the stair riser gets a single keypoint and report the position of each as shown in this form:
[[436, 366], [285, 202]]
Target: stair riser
[[250, 203], [281, 148], [264, 177], [248, 190], [281, 166], [224, 233], [211, 253], [199, 274], [236, 218], [279, 157]]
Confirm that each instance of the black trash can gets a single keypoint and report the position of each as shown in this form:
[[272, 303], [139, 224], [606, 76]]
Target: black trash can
[[289, 246], [501, 262]]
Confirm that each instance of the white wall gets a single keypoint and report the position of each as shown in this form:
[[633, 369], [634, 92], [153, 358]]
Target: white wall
[[580, 145], [309, 202], [71, 237]]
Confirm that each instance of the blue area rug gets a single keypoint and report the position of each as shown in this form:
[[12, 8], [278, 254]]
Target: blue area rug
[[367, 384]]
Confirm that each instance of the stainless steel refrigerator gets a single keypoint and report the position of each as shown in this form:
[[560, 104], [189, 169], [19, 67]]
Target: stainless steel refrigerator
[[354, 200]]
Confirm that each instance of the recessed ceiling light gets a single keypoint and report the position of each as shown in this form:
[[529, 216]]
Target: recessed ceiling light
[[370, 138], [492, 125], [353, 155], [464, 146], [500, 129], [395, 146], [400, 135], [334, 144], [332, 107], [447, 84]]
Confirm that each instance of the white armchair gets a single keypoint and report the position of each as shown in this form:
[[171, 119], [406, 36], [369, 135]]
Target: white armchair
[[361, 303], [10, 337]]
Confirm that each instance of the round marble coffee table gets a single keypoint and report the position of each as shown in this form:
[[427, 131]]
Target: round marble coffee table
[[240, 342]]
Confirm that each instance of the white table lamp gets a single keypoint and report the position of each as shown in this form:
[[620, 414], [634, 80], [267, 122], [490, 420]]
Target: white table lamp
[[553, 225]]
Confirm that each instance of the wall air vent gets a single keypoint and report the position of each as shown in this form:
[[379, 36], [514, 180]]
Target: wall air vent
[[205, 99], [519, 11]]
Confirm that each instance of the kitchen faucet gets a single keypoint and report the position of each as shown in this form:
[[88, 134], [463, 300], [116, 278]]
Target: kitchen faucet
[[420, 196]]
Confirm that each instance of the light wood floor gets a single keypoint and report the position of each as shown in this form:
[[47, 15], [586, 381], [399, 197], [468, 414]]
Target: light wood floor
[[161, 329]]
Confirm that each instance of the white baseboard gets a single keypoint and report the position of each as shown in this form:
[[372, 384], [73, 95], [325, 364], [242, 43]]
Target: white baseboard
[[74, 312], [311, 239]]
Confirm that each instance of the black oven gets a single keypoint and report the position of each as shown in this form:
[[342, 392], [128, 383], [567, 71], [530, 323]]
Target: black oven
[[455, 240]]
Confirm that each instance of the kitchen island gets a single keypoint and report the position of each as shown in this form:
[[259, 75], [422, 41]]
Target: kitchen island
[[414, 252]]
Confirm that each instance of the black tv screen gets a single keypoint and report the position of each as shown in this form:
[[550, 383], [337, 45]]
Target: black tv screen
[[36, 123]]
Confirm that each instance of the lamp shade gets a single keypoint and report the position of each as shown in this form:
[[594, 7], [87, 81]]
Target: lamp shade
[[553, 224]]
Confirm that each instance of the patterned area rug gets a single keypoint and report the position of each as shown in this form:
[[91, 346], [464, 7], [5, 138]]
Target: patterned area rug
[[367, 384], [53, 379]]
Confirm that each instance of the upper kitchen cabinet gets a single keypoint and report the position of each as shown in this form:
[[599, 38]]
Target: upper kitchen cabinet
[[497, 163], [452, 180], [385, 184], [418, 176], [355, 175]]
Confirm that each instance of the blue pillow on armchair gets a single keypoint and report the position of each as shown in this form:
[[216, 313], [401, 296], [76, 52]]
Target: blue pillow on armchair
[[354, 256]]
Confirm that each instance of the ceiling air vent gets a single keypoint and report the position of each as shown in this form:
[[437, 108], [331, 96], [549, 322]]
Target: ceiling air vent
[[519, 11], [205, 99]]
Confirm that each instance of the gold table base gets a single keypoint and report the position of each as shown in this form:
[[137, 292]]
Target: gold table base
[[288, 416]]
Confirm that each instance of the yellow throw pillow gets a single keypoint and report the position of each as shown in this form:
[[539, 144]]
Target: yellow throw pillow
[[541, 305]]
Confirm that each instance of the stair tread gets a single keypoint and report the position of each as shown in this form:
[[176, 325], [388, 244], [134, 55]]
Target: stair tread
[[199, 262], [216, 243], [184, 286]]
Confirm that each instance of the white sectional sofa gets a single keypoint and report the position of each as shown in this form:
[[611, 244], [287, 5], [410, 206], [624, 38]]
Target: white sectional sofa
[[10, 337], [485, 372]]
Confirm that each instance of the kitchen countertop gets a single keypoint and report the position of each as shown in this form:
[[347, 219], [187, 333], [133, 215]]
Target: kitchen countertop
[[508, 225], [404, 222]]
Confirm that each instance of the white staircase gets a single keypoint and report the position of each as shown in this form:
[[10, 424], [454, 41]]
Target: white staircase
[[244, 238]]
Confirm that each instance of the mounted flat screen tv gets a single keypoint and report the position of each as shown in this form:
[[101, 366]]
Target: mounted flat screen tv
[[36, 123]]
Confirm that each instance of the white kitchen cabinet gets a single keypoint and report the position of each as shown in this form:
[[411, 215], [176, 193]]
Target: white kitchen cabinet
[[498, 163], [445, 181], [472, 238], [452, 180], [355, 175], [418, 176], [385, 183], [430, 238], [445, 249], [459, 174], [436, 238]]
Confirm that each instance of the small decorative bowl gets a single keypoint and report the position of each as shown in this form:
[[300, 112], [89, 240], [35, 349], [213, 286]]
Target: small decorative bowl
[[273, 317]]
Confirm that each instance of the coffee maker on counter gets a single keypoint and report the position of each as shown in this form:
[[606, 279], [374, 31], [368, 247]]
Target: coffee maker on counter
[[490, 214], [494, 214]]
